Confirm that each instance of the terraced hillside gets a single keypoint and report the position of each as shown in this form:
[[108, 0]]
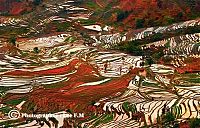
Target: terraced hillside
[[149, 34], [57, 59]]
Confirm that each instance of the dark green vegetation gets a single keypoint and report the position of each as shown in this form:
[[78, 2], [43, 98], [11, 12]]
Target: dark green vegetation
[[36, 50], [57, 85], [61, 26], [86, 22], [5, 109], [37, 2], [194, 123], [194, 80], [131, 47], [140, 23], [12, 40], [4, 89], [70, 39], [135, 48], [127, 107], [15, 101], [11, 32], [122, 15]]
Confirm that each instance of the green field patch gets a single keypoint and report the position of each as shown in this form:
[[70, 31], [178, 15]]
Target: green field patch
[[15, 101], [5, 109], [87, 22], [195, 80], [70, 39], [92, 5], [150, 84], [24, 53], [4, 89], [3, 70], [56, 85], [190, 75], [61, 26]]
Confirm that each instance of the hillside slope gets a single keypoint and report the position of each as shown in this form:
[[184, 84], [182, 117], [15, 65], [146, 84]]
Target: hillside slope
[[139, 14], [17, 7]]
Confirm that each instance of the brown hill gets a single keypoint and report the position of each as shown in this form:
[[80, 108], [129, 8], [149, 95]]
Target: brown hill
[[16, 7]]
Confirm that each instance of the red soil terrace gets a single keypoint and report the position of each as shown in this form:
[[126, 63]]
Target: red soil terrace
[[192, 65], [56, 71], [77, 98]]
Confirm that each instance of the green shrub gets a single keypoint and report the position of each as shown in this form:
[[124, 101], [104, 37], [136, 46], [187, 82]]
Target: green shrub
[[140, 23], [12, 40], [36, 49], [194, 123]]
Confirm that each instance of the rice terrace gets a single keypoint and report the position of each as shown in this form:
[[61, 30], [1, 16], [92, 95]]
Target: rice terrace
[[99, 64]]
